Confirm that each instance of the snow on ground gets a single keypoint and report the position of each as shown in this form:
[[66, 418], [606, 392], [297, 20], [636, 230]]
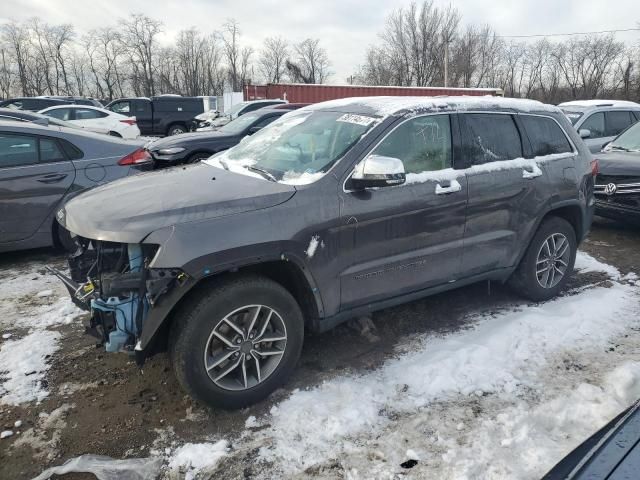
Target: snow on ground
[[506, 398], [193, 458], [32, 302]]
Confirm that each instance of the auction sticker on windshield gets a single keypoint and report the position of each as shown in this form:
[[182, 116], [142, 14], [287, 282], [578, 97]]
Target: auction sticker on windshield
[[357, 119]]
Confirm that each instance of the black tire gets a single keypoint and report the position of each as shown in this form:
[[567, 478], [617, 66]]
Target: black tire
[[63, 239], [196, 157], [115, 134], [176, 130], [525, 279], [195, 320]]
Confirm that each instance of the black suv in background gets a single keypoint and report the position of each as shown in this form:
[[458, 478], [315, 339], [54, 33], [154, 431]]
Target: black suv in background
[[193, 147], [332, 211], [163, 115]]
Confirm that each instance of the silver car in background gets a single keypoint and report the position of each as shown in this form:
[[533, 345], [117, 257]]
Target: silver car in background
[[600, 121]]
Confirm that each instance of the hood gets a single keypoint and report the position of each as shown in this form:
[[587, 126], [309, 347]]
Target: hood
[[188, 139], [127, 210], [619, 163]]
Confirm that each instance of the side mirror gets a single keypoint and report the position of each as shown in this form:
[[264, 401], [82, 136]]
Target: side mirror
[[378, 171], [584, 133], [604, 147], [253, 130]]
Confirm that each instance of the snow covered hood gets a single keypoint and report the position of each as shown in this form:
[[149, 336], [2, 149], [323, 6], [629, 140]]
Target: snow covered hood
[[386, 106]]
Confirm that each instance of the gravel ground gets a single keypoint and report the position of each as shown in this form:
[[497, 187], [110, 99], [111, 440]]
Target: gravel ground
[[93, 402]]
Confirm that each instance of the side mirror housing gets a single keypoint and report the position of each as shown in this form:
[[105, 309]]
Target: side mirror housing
[[253, 130], [378, 171], [584, 133]]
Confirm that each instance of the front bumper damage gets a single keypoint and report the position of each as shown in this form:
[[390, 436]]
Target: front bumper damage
[[113, 281]]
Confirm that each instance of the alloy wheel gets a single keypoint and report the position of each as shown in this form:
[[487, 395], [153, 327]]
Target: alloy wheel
[[245, 347], [552, 260]]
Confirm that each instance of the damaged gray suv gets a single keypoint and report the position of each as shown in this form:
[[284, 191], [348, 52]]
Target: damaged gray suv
[[333, 211]]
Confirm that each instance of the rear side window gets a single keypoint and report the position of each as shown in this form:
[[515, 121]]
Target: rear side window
[[72, 152], [545, 135], [595, 125], [60, 113], [489, 137], [17, 150], [50, 151], [618, 121], [422, 143], [88, 114], [121, 107]]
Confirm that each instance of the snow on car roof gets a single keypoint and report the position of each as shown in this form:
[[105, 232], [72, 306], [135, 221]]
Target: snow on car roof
[[385, 106], [599, 103]]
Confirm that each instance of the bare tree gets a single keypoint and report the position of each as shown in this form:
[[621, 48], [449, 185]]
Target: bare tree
[[310, 64], [273, 57], [141, 34]]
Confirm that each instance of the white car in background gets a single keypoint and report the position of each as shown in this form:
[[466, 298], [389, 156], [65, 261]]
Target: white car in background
[[96, 119]]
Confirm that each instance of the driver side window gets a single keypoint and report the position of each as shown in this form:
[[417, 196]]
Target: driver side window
[[422, 143]]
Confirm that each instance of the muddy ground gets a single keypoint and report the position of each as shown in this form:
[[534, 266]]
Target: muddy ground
[[104, 404]]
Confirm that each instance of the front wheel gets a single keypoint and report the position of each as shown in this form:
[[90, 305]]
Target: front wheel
[[235, 343], [176, 130], [548, 261]]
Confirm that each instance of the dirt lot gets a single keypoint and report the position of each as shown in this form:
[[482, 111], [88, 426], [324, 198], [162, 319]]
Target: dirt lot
[[103, 404]]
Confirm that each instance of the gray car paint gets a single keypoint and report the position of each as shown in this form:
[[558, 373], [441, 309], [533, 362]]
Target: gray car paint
[[31, 194], [401, 238]]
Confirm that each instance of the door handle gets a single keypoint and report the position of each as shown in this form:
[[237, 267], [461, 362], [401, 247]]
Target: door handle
[[452, 186], [532, 172], [52, 178]]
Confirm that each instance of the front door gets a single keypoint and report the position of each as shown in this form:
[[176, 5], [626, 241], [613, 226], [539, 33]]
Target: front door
[[34, 177], [401, 239]]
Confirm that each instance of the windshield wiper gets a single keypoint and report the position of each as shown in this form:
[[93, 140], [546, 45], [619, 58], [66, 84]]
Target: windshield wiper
[[616, 147], [262, 172]]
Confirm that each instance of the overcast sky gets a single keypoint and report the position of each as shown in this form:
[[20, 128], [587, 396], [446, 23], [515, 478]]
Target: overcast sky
[[345, 27]]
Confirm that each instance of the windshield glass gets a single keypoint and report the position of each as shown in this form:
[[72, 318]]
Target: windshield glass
[[629, 140], [572, 115], [235, 109], [296, 149], [234, 127], [56, 121]]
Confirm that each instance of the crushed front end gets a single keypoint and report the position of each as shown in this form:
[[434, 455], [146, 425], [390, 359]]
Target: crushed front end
[[114, 282]]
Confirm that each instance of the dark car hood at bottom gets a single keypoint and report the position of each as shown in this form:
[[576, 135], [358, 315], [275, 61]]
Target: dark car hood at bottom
[[127, 210]]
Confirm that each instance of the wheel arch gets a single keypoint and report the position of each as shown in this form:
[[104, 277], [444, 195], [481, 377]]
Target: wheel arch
[[286, 271], [175, 124]]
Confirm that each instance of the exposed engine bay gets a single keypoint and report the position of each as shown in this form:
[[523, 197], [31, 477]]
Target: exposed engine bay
[[114, 282]]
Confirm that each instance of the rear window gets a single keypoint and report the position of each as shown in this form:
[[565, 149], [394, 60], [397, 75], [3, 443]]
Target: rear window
[[573, 116], [489, 137], [618, 121], [545, 135]]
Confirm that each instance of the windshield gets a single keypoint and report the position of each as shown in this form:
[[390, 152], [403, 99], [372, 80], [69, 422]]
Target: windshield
[[572, 115], [234, 127], [55, 121], [296, 149], [235, 109], [628, 141]]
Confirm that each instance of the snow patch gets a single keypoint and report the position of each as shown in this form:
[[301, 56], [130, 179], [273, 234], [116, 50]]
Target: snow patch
[[585, 263], [193, 458], [6, 434], [23, 364], [313, 246], [500, 355]]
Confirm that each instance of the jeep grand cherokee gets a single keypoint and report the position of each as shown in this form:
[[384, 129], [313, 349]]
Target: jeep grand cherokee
[[332, 211]]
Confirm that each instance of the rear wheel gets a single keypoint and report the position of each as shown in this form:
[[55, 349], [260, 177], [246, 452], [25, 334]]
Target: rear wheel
[[235, 343], [63, 239], [548, 262], [176, 130], [196, 157]]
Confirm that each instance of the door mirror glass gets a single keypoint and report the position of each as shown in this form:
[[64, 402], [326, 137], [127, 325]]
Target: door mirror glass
[[378, 171], [584, 133]]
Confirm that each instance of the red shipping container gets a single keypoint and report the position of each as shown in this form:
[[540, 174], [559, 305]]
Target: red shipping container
[[313, 93]]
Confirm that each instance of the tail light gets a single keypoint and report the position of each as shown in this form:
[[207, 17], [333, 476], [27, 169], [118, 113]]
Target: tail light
[[129, 121], [595, 168], [136, 158]]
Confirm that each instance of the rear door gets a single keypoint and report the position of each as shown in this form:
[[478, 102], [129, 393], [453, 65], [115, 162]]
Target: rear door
[[397, 240], [93, 120], [35, 174], [500, 188]]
